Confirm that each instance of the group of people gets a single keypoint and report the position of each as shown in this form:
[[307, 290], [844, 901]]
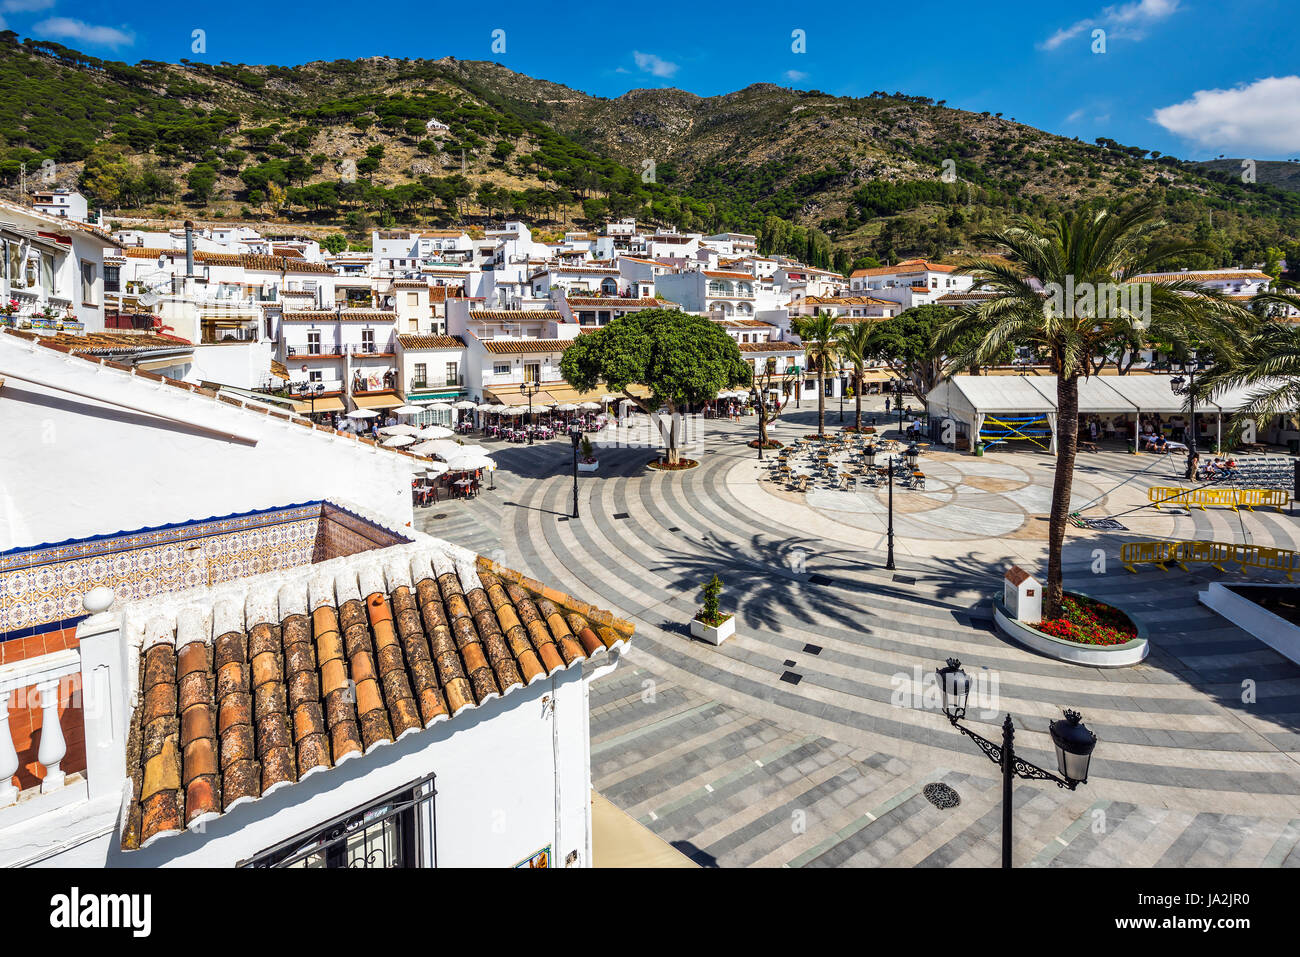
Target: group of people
[[1216, 468]]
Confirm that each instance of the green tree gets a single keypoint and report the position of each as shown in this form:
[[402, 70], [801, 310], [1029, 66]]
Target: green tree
[[682, 359], [817, 333], [1083, 250], [335, 243]]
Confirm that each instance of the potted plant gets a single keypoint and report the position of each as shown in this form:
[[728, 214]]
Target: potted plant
[[709, 623], [588, 461]]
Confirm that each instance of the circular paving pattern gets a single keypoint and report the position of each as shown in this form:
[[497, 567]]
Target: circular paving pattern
[[826, 672]]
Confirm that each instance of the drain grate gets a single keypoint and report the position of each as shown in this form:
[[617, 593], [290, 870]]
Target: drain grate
[[791, 677], [941, 796], [819, 580], [789, 662], [622, 515], [440, 515], [674, 529], [904, 580], [812, 649]]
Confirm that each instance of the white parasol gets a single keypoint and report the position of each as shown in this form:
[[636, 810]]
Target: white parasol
[[489, 407], [470, 463], [435, 469], [397, 441], [439, 406], [590, 406], [465, 404], [408, 410], [362, 414], [439, 447], [566, 407], [398, 430], [435, 432]]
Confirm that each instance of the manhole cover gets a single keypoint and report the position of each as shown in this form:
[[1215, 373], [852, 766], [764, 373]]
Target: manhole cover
[[941, 796], [439, 515]]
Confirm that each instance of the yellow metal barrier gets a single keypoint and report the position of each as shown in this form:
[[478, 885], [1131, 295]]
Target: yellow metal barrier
[[1218, 554], [1233, 498]]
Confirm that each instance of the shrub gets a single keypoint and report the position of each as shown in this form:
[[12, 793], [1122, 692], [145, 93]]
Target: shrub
[[709, 613]]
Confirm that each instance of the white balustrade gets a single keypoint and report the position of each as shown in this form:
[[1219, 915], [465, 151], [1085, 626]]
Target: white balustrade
[[53, 745], [8, 760]]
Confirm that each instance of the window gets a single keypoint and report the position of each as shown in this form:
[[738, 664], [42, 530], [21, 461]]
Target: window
[[47, 274], [313, 344], [398, 830], [608, 287], [112, 278], [501, 368], [532, 372], [367, 340], [412, 298], [453, 373], [421, 375], [88, 277], [316, 376]]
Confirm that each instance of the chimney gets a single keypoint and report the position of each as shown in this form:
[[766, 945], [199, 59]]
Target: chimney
[[189, 249]]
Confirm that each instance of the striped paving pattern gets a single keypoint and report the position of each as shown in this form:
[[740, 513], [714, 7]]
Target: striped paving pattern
[[805, 740]]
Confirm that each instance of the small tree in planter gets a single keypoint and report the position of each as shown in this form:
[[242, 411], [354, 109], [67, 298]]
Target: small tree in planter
[[587, 462], [709, 623]]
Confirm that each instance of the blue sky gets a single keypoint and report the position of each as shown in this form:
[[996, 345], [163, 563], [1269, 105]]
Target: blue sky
[[1196, 78]]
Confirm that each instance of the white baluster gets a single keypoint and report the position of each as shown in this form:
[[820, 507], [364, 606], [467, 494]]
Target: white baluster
[[8, 759], [53, 746]]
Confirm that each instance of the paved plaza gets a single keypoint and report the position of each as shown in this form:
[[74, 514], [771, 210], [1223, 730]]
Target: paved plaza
[[805, 740]]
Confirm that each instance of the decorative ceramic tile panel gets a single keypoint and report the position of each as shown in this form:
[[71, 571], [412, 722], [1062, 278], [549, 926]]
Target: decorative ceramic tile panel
[[41, 588]]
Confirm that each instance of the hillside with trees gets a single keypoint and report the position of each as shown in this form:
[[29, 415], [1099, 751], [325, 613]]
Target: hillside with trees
[[353, 144]]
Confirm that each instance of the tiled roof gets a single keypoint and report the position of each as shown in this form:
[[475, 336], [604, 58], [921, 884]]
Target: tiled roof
[[770, 346], [431, 342], [344, 315], [103, 343], [257, 695], [247, 260], [1253, 275], [744, 323], [847, 301], [515, 315], [506, 347], [612, 301], [727, 275], [906, 267]]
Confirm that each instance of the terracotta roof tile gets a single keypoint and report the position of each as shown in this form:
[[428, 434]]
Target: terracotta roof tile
[[503, 347], [431, 342], [251, 699]]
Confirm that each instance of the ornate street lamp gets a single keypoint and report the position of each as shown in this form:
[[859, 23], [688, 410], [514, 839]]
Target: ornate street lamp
[[575, 434], [1187, 387], [912, 454], [1074, 746], [889, 554], [530, 389], [897, 388]]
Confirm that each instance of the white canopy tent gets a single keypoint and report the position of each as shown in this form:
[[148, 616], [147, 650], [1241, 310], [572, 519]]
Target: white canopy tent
[[971, 399]]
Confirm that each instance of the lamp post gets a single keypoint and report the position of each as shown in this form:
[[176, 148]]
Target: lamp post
[[1187, 387], [898, 401], [869, 453], [575, 434], [314, 391], [530, 389], [1074, 746], [840, 376]]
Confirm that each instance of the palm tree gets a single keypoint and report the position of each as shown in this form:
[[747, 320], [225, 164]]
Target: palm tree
[[1075, 253], [817, 333], [1269, 358], [857, 343]]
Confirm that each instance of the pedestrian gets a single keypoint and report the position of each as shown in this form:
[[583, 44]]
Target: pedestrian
[[886, 405]]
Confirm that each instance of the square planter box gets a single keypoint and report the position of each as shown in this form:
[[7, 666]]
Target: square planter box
[[588, 466], [714, 636]]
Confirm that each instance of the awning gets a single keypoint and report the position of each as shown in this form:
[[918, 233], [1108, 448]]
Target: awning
[[328, 404], [434, 397], [154, 365], [387, 401], [278, 369], [515, 397]]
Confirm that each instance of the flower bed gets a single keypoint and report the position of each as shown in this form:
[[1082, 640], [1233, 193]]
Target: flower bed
[[771, 444], [662, 466], [713, 621], [1089, 622], [865, 430]]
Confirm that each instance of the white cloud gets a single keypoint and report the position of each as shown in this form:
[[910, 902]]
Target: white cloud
[[25, 6], [655, 66], [1128, 21], [794, 76], [1256, 119], [65, 28]]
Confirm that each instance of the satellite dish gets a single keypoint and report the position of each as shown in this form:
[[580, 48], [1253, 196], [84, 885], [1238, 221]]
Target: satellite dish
[[148, 299]]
